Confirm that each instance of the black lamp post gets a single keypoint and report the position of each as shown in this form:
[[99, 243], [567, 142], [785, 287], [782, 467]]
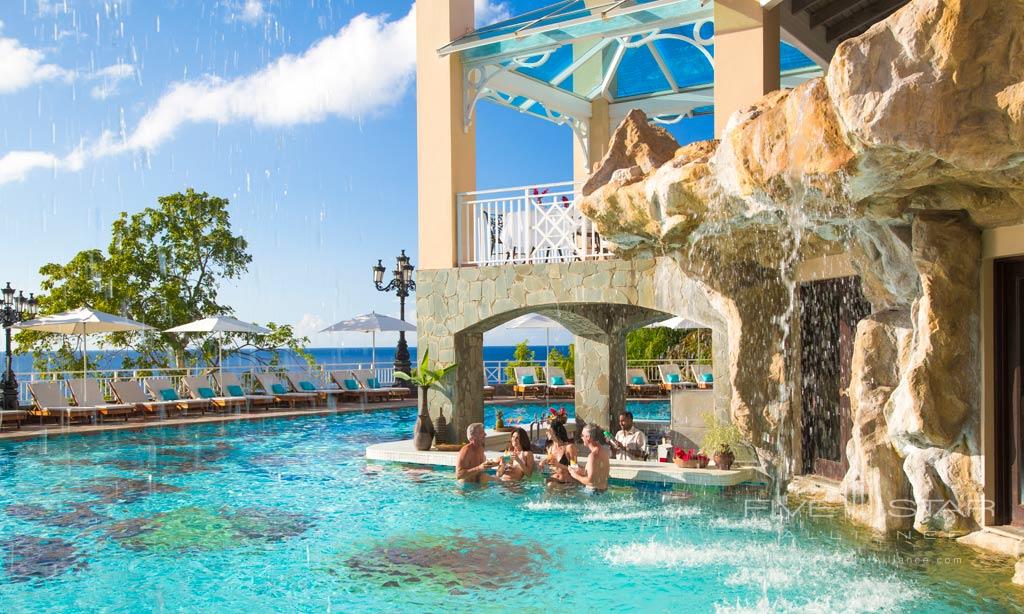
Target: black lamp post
[[13, 309], [402, 284]]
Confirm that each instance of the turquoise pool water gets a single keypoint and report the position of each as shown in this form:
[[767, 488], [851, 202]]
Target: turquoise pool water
[[286, 515], [641, 410]]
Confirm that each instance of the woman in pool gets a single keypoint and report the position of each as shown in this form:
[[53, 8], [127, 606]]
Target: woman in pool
[[561, 452], [518, 462]]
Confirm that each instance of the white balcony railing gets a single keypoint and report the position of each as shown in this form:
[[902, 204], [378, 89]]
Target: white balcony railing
[[530, 224]]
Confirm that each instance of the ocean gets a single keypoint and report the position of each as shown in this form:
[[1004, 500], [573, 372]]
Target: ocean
[[339, 355]]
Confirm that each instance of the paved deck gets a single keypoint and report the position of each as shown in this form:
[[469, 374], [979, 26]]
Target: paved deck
[[628, 470]]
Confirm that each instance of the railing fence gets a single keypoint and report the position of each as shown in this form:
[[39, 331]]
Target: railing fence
[[530, 224]]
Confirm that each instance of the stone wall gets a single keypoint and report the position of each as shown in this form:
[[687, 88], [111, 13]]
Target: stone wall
[[910, 145]]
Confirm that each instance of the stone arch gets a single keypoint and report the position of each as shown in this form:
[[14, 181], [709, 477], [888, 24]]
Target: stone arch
[[598, 301]]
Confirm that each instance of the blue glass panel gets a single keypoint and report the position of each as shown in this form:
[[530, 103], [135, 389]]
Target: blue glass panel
[[639, 74]]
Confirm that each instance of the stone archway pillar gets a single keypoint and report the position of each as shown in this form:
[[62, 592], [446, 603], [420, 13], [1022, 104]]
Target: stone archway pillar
[[600, 379], [467, 396]]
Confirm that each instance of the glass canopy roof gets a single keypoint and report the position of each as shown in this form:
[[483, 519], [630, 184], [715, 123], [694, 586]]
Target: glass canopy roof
[[653, 54]]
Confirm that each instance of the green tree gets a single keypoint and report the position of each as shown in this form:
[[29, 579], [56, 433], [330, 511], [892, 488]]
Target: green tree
[[566, 362], [164, 266], [523, 356]]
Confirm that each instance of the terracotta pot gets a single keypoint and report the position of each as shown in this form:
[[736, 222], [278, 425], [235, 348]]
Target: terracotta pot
[[423, 431], [724, 460]]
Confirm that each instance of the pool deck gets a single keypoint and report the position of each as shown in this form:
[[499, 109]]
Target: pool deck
[[626, 470]]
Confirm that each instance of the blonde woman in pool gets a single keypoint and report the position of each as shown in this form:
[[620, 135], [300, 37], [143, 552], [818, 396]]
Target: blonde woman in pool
[[518, 462]]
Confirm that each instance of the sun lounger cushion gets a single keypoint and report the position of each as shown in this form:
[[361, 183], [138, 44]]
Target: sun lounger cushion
[[707, 378], [557, 381], [206, 393], [672, 378], [307, 386], [372, 383], [529, 380], [236, 391], [168, 394], [351, 384], [278, 389], [636, 380]]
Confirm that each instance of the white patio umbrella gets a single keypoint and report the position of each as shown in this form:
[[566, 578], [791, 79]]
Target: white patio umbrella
[[677, 323], [82, 322], [219, 324], [372, 323], [535, 320]]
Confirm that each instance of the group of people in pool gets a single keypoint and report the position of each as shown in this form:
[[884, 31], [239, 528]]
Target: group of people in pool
[[560, 458]]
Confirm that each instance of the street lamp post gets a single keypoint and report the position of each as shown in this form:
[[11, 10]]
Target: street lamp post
[[13, 309], [402, 284]]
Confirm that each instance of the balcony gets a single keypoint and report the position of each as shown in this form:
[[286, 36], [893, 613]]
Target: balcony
[[525, 225]]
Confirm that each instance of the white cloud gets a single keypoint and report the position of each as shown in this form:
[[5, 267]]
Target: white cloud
[[251, 11], [367, 65], [109, 78], [16, 165], [488, 12], [21, 67]]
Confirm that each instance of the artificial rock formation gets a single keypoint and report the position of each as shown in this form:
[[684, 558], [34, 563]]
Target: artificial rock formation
[[910, 145]]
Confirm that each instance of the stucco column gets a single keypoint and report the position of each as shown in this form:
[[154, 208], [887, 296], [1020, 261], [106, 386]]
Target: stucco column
[[746, 56], [600, 379], [584, 80], [446, 152], [599, 131]]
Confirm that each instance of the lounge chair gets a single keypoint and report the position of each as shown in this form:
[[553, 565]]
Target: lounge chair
[[162, 389], [347, 382], [368, 381], [231, 386], [12, 416], [526, 382], [702, 375], [556, 382], [272, 384], [130, 392], [50, 401], [306, 383], [671, 377], [637, 384], [86, 393], [199, 387]]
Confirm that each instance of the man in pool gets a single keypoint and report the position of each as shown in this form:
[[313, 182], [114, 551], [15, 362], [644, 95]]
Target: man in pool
[[472, 463], [629, 442], [596, 474]]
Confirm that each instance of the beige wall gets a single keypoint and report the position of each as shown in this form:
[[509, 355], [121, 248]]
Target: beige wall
[[746, 56], [996, 243], [446, 153]]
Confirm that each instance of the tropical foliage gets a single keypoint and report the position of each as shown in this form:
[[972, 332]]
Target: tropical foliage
[[660, 343], [423, 376], [164, 266], [523, 356]]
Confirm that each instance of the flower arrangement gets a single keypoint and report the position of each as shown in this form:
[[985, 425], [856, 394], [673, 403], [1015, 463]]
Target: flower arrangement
[[557, 416], [689, 459]]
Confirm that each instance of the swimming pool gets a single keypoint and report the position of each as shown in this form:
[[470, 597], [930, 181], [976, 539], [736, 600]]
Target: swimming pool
[[286, 515]]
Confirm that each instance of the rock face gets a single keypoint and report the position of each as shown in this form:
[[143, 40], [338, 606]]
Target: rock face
[[910, 145]]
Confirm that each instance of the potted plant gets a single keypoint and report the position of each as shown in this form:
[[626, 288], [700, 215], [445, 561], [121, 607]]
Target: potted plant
[[424, 378], [719, 439]]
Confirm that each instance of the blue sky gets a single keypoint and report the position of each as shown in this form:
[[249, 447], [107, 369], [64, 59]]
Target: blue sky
[[301, 112]]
